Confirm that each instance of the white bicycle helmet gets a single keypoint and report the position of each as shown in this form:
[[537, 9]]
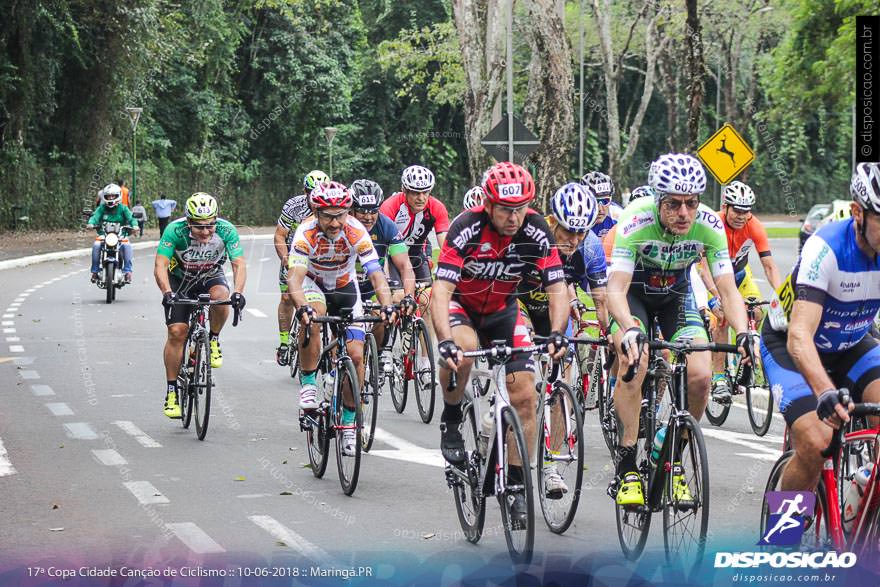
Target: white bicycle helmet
[[739, 195], [643, 191], [416, 178], [474, 197], [600, 183], [574, 207], [111, 195], [865, 186], [676, 173]]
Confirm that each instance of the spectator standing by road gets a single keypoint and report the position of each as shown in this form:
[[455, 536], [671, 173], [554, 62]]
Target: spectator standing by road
[[164, 207], [140, 214], [125, 201]]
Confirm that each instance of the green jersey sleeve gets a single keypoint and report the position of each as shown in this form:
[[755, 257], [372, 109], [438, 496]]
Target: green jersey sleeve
[[229, 235], [710, 231], [175, 238]]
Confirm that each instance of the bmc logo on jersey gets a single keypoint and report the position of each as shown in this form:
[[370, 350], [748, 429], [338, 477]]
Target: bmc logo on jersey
[[498, 270], [509, 190]]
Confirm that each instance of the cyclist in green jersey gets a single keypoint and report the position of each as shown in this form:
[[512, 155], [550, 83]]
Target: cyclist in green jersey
[[657, 240], [189, 262]]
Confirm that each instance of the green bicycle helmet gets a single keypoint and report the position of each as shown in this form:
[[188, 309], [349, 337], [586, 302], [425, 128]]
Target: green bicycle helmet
[[313, 178]]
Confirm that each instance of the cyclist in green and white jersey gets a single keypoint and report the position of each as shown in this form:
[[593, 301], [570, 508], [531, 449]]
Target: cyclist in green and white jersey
[[189, 262], [656, 241], [295, 210]]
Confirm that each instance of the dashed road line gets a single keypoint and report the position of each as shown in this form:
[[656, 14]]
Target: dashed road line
[[256, 313], [281, 532], [407, 451], [29, 374], [8, 330], [195, 538], [6, 467], [109, 457], [80, 431], [145, 492], [16, 348], [59, 409], [12, 339], [12, 315], [22, 361], [131, 429], [42, 390], [264, 259]]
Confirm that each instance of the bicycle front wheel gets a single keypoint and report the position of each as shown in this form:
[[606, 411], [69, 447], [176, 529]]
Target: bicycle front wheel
[[424, 371], [607, 415], [293, 353], [348, 463], [469, 501], [686, 496], [370, 392], [519, 526], [759, 402], [184, 397], [395, 379], [561, 453], [201, 388]]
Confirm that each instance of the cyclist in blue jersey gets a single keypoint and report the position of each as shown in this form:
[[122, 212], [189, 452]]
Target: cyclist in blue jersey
[[609, 211], [388, 242], [816, 340]]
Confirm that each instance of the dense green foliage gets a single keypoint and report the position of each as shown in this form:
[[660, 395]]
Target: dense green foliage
[[236, 95]]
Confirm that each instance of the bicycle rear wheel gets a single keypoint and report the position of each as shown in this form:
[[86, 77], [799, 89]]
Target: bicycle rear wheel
[[348, 465], [201, 388], [469, 501], [717, 413], [318, 439], [370, 392], [424, 371], [519, 533], [685, 520], [293, 353], [608, 421], [561, 445], [395, 379], [759, 402]]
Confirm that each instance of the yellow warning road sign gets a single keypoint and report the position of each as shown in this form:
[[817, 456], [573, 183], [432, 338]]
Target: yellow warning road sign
[[726, 154]]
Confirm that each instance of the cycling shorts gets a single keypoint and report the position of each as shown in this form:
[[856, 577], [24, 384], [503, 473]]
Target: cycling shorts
[[676, 313], [282, 278], [190, 289], [854, 368], [508, 324], [747, 289], [346, 299]]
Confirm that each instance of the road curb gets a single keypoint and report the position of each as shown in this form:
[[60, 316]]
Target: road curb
[[73, 253]]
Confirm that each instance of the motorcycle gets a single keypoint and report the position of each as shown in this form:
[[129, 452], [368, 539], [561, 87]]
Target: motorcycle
[[112, 277]]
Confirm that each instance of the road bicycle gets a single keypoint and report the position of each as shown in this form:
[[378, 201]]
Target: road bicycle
[[560, 444], [411, 362], [488, 458], [194, 377], [338, 376], [676, 481], [759, 400], [851, 448]]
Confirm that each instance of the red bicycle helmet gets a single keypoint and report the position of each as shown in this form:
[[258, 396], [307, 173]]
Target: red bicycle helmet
[[508, 184], [330, 194]]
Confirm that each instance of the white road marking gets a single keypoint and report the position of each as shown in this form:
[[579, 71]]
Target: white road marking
[[12, 339], [42, 390], [9, 330], [131, 429], [80, 431], [19, 299], [16, 348], [7, 323], [21, 361], [776, 415], [281, 532], [123, 395], [30, 290], [748, 441], [759, 456], [60, 409], [253, 495], [6, 467], [407, 451], [11, 315], [145, 492], [109, 457], [195, 538], [29, 374], [264, 259], [255, 312]]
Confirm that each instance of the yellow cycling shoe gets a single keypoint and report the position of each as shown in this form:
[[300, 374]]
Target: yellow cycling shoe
[[681, 493], [216, 354], [630, 491], [172, 408]]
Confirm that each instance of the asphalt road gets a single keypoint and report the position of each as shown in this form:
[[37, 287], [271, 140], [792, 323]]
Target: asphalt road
[[92, 473]]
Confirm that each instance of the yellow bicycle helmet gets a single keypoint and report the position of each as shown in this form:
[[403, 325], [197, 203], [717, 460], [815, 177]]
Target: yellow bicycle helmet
[[201, 206]]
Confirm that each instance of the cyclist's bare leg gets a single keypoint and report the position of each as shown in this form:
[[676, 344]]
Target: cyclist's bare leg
[[174, 348], [355, 350], [466, 338], [699, 374], [719, 334], [218, 314], [308, 355], [285, 312], [628, 396], [521, 388]]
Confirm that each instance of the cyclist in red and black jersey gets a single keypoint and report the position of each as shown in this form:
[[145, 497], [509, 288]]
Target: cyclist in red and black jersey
[[490, 249]]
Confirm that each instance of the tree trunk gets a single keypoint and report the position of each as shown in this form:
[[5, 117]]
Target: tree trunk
[[551, 97], [695, 66], [481, 46], [602, 10]]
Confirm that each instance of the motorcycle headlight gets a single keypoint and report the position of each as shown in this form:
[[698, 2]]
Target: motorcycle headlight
[[112, 239]]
